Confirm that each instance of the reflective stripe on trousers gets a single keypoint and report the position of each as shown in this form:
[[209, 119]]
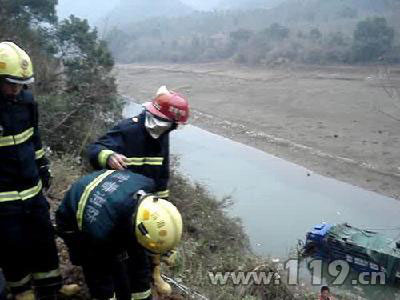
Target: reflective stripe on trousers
[[22, 282], [35, 276], [39, 153], [46, 275], [141, 295]]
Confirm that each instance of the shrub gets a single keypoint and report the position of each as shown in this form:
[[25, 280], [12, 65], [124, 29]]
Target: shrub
[[372, 39]]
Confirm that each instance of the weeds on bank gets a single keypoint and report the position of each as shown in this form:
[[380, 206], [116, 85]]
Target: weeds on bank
[[215, 242]]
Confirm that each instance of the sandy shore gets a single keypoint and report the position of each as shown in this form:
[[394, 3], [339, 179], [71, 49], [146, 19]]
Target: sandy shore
[[342, 122]]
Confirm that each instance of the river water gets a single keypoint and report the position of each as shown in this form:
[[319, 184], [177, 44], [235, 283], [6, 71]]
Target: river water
[[278, 201]]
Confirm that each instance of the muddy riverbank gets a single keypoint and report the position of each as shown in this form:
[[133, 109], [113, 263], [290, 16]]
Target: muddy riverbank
[[332, 120]]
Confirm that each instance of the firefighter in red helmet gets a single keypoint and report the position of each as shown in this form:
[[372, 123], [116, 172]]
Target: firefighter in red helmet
[[141, 143]]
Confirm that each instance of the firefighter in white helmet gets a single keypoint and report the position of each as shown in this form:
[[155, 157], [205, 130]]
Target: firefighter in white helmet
[[112, 227]]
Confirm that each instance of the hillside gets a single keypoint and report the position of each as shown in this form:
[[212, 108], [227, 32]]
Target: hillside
[[130, 11], [248, 4], [305, 31], [202, 5], [290, 12], [316, 11]]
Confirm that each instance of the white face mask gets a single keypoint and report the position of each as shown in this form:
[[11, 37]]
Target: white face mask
[[156, 127]]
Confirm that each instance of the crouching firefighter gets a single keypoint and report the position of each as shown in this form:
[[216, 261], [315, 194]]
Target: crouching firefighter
[[28, 254], [113, 227]]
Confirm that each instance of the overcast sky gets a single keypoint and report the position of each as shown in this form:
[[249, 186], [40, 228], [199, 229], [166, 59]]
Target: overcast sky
[[94, 9], [202, 4]]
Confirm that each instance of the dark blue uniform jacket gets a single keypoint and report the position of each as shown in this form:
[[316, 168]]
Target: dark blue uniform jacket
[[101, 205], [146, 155], [21, 153]]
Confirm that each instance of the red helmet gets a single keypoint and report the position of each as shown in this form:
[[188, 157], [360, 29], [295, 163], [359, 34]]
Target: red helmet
[[171, 106]]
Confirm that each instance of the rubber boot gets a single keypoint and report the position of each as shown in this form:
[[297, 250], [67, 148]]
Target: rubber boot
[[69, 290], [162, 288], [27, 295]]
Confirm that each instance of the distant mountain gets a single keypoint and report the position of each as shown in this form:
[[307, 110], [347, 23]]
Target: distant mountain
[[92, 10], [130, 11], [296, 7], [322, 11], [244, 27], [248, 4], [202, 4], [328, 15]]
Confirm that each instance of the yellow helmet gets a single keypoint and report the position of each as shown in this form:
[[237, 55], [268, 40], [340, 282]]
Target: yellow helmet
[[15, 64], [158, 225]]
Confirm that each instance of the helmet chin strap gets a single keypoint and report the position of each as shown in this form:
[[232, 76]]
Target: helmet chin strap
[[156, 127]]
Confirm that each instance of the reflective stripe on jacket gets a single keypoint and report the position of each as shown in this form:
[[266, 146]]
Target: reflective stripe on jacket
[[21, 152]]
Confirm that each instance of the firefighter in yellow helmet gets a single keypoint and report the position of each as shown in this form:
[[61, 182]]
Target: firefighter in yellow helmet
[[28, 254], [112, 228]]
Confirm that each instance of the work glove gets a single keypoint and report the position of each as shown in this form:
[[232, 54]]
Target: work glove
[[45, 176]]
